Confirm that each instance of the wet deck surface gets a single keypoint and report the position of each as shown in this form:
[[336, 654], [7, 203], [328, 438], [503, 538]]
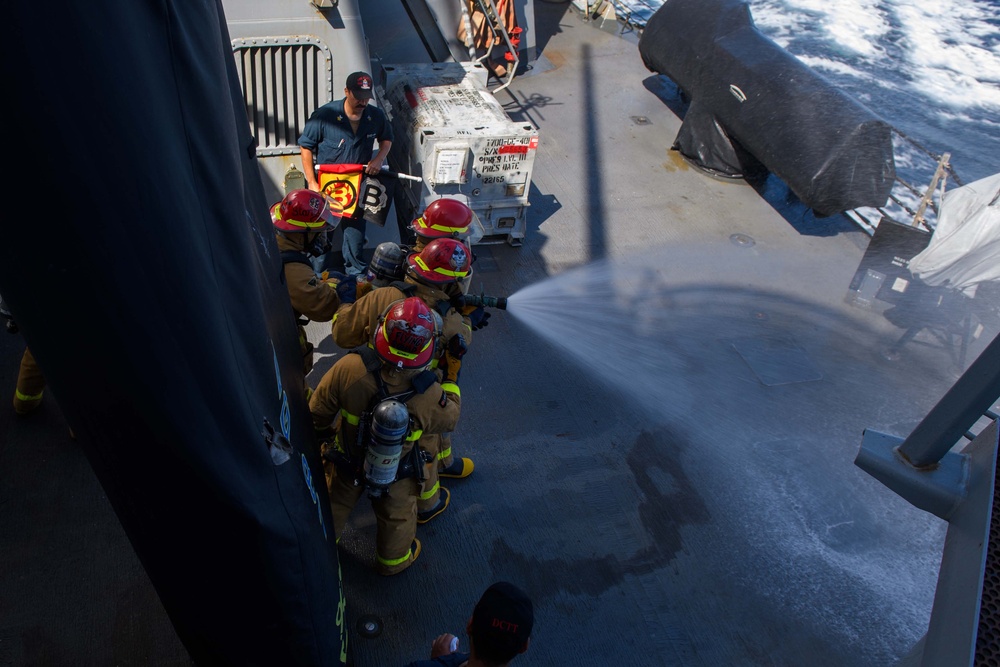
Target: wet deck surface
[[669, 474]]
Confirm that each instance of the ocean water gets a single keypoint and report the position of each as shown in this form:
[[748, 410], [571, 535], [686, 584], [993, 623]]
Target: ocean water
[[930, 68]]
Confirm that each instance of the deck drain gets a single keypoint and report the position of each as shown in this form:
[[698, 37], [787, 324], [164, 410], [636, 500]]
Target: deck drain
[[777, 361], [369, 626], [640, 120], [742, 240]]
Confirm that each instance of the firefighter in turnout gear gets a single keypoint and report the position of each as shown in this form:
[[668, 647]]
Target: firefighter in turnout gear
[[451, 219], [433, 275], [387, 264], [447, 218], [302, 224], [381, 403], [444, 219]]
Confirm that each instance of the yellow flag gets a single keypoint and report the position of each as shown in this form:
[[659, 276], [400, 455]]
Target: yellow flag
[[341, 183]]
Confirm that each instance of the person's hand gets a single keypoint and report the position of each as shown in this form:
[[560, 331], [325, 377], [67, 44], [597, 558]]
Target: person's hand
[[479, 317], [345, 285], [374, 167], [313, 185], [347, 291], [453, 354], [457, 347], [444, 645]]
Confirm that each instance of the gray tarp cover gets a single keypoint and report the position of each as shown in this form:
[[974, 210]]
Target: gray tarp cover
[[142, 269], [965, 247], [751, 96]]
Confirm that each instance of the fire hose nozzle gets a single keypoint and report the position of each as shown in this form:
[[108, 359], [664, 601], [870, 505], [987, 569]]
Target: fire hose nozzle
[[487, 301]]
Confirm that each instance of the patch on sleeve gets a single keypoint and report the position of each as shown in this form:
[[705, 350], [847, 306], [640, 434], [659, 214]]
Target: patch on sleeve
[[444, 400]]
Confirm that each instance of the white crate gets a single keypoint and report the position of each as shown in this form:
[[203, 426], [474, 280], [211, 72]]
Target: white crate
[[451, 131]]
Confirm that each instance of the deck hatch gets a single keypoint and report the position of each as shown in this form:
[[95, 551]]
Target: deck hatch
[[777, 361], [283, 80]]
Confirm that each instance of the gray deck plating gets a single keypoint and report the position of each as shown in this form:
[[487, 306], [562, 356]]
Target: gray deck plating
[[728, 526]]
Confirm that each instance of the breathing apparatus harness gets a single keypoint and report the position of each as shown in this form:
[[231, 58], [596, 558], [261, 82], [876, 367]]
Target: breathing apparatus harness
[[409, 289], [299, 257], [294, 257], [382, 430], [317, 246]]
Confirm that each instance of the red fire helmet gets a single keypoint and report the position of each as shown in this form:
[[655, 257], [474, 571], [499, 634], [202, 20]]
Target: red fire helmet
[[443, 218], [406, 334], [441, 261], [303, 211]]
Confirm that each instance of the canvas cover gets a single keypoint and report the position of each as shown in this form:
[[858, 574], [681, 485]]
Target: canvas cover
[[750, 96], [964, 250], [143, 272]]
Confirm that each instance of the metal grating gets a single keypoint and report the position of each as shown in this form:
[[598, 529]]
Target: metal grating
[[284, 79], [987, 639]]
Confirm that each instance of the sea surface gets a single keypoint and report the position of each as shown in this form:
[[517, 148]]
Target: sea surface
[[930, 68]]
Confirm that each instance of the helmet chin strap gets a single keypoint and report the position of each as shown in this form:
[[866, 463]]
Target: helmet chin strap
[[394, 374], [319, 245]]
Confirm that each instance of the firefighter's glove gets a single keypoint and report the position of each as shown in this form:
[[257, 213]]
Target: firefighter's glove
[[453, 357], [346, 286], [362, 288], [457, 347], [325, 434], [478, 318]]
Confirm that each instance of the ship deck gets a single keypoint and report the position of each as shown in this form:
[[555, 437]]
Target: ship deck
[[664, 425]]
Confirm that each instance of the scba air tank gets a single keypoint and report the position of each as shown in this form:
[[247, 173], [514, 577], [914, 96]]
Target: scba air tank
[[390, 421]]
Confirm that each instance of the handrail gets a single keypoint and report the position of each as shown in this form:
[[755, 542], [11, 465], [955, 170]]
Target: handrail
[[467, 22], [939, 175], [497, 29]]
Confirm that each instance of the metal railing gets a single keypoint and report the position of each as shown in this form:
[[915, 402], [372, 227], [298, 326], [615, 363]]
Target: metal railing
[[498, 33], [915, 215], [928, 470]]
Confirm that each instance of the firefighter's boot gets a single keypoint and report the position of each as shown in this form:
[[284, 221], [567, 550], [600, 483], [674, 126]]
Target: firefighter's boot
[[442, 504], [459, 469], [30, 385]]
